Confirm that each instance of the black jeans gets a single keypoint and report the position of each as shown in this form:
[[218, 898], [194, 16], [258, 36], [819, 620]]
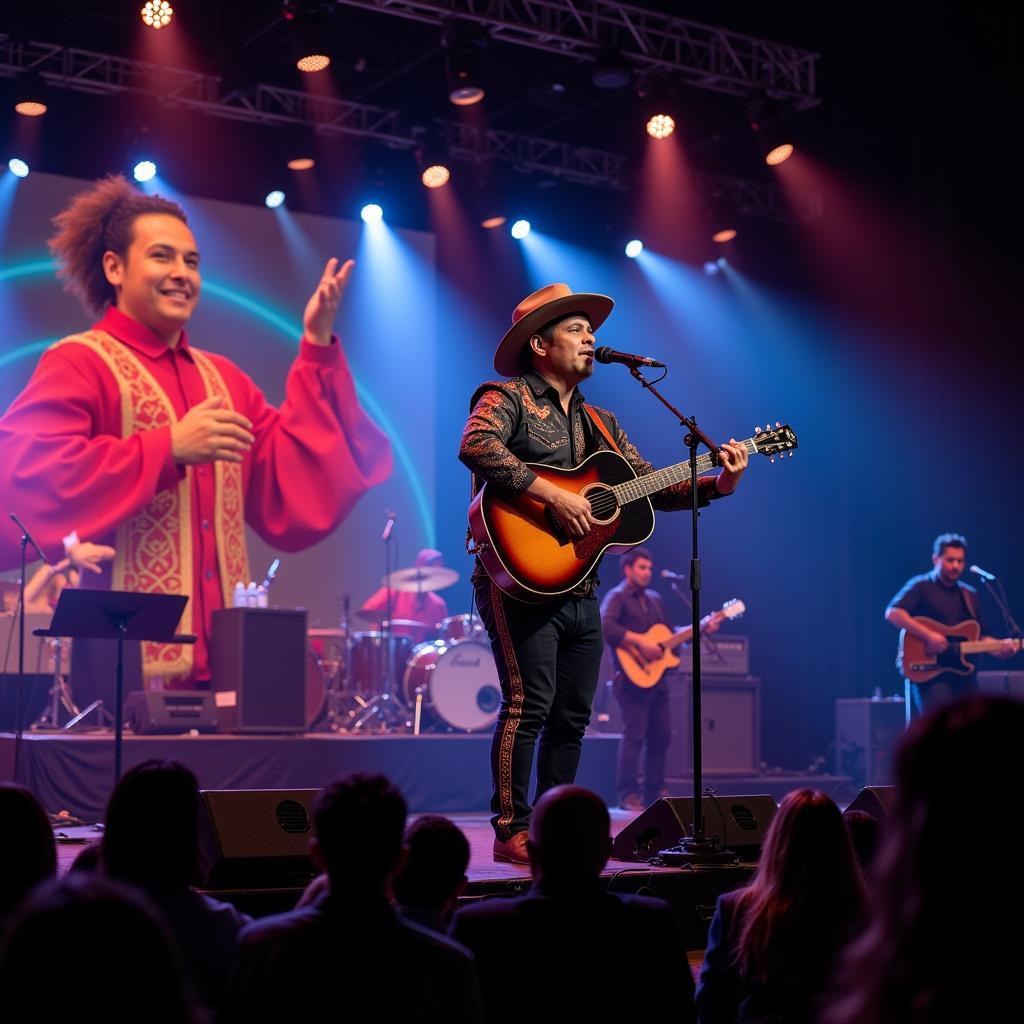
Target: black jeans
[[646, 727], [548, 656], [943, 689]]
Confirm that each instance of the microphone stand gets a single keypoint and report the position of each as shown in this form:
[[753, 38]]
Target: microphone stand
[[698, 847], [999, 596], [26, 539]]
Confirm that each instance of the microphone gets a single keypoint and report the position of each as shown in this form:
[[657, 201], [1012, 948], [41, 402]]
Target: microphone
[[271, 573], [608, 355], [388, 526], [29, 538], [668, 574], [978, 571]]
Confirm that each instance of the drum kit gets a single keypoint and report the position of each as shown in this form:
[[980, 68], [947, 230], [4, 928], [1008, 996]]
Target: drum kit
[[381, 679]]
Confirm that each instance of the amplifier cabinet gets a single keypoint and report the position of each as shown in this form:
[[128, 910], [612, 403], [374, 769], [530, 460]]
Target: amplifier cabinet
[[867, 733]]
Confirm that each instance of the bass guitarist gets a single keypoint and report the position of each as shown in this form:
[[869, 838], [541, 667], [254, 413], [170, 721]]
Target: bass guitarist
[[548, 654], [943, 597], [627, 612]]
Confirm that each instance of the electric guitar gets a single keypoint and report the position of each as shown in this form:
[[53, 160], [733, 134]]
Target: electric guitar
[[646, 674], [919, 666], [523, 547]]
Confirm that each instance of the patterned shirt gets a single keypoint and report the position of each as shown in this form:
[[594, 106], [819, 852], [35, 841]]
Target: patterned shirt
[[521, 420]]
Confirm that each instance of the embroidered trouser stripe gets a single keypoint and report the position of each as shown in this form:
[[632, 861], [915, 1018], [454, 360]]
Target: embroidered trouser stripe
[[508, 724]]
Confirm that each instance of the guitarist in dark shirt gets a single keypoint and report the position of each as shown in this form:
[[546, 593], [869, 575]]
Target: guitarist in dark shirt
[[942, 596], [548, 654]]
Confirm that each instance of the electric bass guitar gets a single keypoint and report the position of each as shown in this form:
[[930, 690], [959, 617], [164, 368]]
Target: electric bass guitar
[[529, 556], [919, 666], [646, 674]]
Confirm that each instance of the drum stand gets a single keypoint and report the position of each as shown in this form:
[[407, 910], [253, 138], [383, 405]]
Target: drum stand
[[60, 694]]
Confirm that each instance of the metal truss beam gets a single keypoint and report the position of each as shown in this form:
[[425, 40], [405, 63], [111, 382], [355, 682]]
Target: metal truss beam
[[103, 74], [696, 54]]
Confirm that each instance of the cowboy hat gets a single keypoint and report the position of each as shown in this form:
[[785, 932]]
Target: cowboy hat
[[552, 302]]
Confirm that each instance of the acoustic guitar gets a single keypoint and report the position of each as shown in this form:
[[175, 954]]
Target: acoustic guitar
[[646, 674], [919, 666], [529, 556]]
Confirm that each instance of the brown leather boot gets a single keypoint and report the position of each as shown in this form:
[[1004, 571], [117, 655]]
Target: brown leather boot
[[512, 851]]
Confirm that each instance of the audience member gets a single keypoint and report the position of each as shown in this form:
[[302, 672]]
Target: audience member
[[865, 832], [151, 841], [772, 945], [428, 885], [85, 945], [933, 951], [28, 854], [570, 949], [288, 967]]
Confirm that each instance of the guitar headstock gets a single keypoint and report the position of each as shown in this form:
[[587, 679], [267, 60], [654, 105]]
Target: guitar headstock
[[733, 609], [778, 440]]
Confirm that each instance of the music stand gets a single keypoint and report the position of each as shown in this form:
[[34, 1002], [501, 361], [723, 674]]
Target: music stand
[[118, 615]]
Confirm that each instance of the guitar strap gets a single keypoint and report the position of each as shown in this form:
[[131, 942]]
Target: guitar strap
[[599, 423]]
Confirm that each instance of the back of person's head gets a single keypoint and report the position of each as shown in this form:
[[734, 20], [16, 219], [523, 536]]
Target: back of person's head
[[111, 943], [806, 897], [151, 829], [434, 872], [570, 834], [865, 834], [925, 957], [28, 854], [359, 823]]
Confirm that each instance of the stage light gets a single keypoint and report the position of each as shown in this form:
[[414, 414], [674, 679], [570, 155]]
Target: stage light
[[725, 235], [779, 154], [30, 108], [308, 34], [492, 222], [435, 176], [520, 229], [711, 268], [462, 44], [18, 167], [145, 170], [274, 199], [611, 70], [157, 14], [661, 126], [301, 163], [310, 63], [634, 248], [372, 213]]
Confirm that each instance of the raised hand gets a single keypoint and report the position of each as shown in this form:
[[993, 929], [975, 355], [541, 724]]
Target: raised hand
[[318, 319], [209, 432], [87, 556]]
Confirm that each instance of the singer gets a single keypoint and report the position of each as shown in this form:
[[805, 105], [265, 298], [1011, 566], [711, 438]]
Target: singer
[[143, 442], [942, 596], [548, 654]]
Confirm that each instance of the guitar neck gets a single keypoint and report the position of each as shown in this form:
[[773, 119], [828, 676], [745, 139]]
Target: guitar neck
[[645, 486], [979, 646]]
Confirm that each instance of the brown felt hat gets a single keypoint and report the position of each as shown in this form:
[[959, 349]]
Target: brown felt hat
[[552, 302]]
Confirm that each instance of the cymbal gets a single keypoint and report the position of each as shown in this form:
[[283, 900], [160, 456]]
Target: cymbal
[[419, 579], [380, 617]]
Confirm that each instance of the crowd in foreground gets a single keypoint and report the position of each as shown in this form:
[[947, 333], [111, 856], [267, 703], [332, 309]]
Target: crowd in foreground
[[823, 932]]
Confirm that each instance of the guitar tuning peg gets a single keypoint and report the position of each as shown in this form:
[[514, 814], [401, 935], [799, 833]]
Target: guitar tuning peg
[[777, 423], [791, 454], [757, 430], [771, 458]]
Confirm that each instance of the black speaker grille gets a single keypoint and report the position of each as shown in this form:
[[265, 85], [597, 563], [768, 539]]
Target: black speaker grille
[[292, 816], [744, 817]]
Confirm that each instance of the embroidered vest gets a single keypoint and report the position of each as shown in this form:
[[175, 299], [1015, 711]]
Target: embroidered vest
[[154, 546]]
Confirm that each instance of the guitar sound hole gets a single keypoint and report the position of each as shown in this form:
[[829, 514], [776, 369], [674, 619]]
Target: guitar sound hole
[[602, 502]]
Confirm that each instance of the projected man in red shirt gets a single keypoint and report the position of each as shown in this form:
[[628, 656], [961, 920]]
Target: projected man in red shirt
[[135, 438]]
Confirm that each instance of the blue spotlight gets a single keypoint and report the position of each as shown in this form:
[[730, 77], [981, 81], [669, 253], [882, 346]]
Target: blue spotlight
[[634, 248], [712, 267], [145, 170], [372, 213], [722, 262], [274, 199], [18, 167], [520, 229]]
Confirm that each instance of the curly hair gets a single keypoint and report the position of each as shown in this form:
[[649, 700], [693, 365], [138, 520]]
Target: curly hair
[[97, 220]]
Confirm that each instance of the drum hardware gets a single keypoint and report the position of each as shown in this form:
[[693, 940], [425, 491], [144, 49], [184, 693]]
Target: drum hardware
[[60, 692]]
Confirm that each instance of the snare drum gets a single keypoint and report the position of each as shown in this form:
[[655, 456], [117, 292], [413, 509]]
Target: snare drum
[[458, 681], [369, 669], [463, 627]]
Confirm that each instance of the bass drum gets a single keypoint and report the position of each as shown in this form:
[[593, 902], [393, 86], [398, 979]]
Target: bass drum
[[458, 682]]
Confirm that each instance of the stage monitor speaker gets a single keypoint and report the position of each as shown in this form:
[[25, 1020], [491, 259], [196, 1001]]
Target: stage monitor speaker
[[256, 838], [867, 734], [258, 658], [150, 712], [876, 800], [739, 821], [1002, 683], [731, 734]]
